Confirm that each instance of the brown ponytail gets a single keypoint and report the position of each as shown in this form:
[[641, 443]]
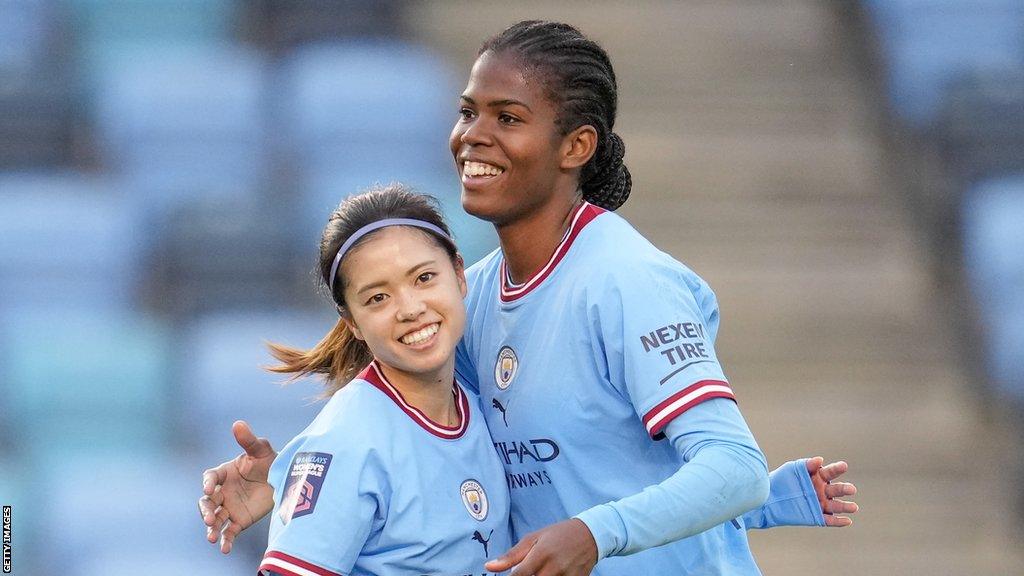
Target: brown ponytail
[[339, 357]]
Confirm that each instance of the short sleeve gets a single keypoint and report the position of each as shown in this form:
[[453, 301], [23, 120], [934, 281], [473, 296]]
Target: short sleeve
[[326, 503], [657, 324]]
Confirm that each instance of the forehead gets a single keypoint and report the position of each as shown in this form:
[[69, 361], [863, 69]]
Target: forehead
[[501, 76], [388, 254]]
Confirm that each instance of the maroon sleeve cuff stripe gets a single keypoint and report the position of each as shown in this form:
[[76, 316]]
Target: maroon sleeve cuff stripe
[[291, 566], [657, 418]]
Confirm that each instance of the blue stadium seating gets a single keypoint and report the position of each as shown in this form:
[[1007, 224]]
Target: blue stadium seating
[[67, 240], [36, 95], [184, 122], [80, 380], [279, 25], [928, 43], [981, 128], [227, 254], [25, 26], [993, 221], [126, 513], [341, 92], [37, 119], [222, 380], [101, 25]]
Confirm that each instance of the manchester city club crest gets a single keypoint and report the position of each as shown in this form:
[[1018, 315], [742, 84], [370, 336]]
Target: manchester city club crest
[[475, 499], [505, 368]]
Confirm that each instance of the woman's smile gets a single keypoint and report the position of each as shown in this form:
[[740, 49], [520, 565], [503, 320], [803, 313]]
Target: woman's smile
[[421, 337]]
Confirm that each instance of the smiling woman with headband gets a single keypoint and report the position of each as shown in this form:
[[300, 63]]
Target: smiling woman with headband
[[397, 473]]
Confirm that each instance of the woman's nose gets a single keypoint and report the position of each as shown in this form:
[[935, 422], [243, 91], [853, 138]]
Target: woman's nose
[[475, 133], [411, 307]]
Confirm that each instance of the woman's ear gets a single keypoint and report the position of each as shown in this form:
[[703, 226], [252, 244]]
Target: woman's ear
[[460, 274], [351, 324], [578, 147]]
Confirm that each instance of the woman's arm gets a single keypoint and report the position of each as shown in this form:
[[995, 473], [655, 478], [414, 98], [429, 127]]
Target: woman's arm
[[722, 476]]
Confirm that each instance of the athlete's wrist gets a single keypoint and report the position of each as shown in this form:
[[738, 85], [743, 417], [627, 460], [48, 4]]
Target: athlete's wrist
[[606, 528]]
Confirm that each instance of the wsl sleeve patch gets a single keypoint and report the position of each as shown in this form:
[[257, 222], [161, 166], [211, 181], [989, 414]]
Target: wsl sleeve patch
[[305, 480]]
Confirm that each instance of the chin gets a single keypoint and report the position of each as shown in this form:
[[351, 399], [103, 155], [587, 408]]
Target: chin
[[478, 207], [427, 368], [418, 363]]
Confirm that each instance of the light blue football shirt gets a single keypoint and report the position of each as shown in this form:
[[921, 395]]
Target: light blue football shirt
[[372, 487], [582, 367]]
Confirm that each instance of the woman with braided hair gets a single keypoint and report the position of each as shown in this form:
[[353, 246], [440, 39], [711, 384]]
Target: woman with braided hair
[[591, 350]]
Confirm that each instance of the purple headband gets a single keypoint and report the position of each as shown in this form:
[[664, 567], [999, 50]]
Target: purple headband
[[377, 226]]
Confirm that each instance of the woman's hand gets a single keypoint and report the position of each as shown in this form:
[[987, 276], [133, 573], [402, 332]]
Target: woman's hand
[[829, 492], [566, 548], [236, 493]]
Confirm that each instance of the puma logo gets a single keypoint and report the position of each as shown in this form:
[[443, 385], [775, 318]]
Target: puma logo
[[501, 409], [480, 538]]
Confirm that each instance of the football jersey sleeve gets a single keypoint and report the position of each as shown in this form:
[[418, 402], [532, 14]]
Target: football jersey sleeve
[[723, 476], [657, 325], [326, 502]]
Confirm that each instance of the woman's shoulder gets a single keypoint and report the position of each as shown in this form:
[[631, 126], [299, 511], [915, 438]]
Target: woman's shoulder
[[351, 413], [613, 250]]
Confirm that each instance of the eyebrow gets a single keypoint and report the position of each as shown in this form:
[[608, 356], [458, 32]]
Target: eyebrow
[[504, 102], [408, 272]]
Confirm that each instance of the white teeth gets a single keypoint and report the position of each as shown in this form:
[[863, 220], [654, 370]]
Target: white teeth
[[481, 169], [420, 335]]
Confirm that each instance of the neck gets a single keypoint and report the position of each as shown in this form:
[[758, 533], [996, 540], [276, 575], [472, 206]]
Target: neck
[[528, 243], [431, 393]]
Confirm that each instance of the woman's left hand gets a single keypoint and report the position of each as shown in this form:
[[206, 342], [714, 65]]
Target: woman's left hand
[[566, 548], [835, 511]]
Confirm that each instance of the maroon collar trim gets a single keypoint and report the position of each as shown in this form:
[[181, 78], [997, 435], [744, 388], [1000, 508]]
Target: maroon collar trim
[[583, 216], [374, 375]]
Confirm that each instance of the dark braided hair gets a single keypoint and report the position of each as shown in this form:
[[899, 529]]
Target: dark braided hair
[[578, 77]]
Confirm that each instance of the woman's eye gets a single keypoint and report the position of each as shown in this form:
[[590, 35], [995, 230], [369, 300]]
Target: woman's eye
[[466, 113], [507, 119], [377, 298], [426, 276]]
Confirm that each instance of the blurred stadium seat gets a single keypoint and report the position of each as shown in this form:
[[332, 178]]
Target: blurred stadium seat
[[81, 380], [927, 43], [36, 115], [220, 254], [100, 26], [279, 25], [993, 222], [981, 128], [221, 379], [68, 240], [183, 122], [36, 121], [25, 28], [127, 513]]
